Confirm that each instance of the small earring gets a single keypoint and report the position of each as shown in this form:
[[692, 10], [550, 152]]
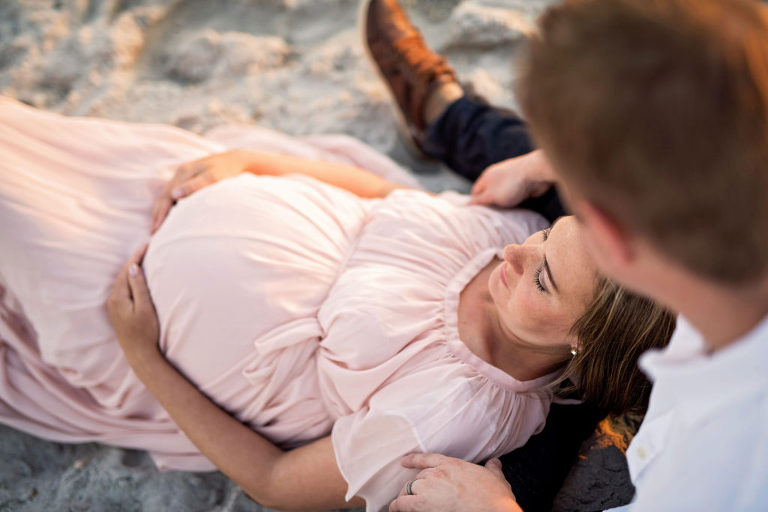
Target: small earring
[[574, 352]]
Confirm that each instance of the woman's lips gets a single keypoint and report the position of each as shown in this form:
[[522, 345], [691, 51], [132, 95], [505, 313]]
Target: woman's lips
[[502, 275]]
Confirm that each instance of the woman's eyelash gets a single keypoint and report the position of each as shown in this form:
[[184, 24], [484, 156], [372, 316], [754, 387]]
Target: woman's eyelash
[[537, 274]]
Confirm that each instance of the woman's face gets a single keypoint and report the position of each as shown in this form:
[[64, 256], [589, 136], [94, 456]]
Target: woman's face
[[544, 285]]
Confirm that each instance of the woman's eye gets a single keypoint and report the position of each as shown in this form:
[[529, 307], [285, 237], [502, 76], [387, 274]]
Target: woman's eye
[[537, 280]]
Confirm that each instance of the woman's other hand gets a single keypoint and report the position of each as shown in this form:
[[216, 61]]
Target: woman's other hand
[[510, 182], [132, 312], [447, 484], [192, 176]]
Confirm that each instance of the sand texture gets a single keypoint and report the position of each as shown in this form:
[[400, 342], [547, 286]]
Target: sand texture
[[292, 65]]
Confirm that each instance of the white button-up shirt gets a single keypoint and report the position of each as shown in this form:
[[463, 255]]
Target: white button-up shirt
[[704, 442]]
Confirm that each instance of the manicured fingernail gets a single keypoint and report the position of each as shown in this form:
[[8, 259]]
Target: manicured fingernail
[[177, 193], [133, 270]]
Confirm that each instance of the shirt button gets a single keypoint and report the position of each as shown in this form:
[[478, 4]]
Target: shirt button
[[641, 452]]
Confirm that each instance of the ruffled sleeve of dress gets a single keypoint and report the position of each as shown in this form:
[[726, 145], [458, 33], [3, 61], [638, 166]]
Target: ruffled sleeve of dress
[[434, 410]]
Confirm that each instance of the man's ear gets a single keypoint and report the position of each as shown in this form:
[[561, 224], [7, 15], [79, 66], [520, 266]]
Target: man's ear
[[610, 238]]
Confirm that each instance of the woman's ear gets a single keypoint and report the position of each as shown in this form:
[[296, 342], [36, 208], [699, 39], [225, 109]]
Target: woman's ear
[[613, 245]]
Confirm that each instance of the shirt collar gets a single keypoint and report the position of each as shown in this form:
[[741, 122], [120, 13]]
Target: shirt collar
[[699, 383]]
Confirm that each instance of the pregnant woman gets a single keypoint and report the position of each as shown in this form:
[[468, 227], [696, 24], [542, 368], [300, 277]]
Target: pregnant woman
[[300, 337]]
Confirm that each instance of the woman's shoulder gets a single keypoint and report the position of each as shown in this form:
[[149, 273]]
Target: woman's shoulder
[[451, 211]]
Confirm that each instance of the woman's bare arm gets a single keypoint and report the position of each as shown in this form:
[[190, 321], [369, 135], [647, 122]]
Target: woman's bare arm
[[193, 176], [354, 179], [306, 478]]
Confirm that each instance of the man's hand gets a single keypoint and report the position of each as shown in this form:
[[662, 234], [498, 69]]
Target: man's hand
[[192, 176], [131, 311], [446, 484], [510, 182]]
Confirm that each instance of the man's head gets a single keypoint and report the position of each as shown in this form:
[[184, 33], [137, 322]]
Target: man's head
[[655, 115]]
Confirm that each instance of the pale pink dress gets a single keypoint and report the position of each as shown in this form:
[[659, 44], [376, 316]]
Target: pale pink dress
[[300, 308]]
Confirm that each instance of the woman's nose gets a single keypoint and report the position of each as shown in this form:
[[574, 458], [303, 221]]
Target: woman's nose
[[515, 256]]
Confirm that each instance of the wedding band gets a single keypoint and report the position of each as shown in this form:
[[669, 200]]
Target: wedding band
[[409, 488]]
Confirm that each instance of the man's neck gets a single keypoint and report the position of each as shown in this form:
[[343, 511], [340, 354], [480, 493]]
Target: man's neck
[[722, 315]]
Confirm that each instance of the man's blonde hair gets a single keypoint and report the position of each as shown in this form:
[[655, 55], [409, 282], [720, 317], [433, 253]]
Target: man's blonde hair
[[657, 112]]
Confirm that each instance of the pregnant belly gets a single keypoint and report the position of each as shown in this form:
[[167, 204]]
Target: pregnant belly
[[243, 258]]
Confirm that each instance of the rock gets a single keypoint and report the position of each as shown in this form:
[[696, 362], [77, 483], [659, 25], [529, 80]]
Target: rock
[[126, 39], [600, 478], [475, 24], [244, 53], [60, 70], [192, 58], [11, 52], [198, 56]]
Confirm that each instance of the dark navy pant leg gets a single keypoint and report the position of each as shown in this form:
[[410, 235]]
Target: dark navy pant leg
[[472, 135]]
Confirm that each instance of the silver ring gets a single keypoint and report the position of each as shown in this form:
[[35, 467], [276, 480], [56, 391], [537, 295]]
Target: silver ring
[[409, 488]]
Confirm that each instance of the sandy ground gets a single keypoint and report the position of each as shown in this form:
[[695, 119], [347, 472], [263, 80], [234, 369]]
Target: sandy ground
[[293, 65]]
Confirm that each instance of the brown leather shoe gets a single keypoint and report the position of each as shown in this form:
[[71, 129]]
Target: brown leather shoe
[[409, 68]]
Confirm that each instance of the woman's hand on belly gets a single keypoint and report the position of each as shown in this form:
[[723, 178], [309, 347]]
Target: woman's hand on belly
[[192, 176], [132, 312]]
